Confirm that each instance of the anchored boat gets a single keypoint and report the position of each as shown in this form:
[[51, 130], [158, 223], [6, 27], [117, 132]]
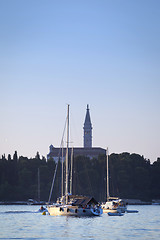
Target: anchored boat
[[113, 204], [77, 206], [73, 205]]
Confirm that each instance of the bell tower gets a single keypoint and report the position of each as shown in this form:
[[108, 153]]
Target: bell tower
[[87, 130]]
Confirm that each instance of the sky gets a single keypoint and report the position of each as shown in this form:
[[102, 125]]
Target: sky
[[105, 53]]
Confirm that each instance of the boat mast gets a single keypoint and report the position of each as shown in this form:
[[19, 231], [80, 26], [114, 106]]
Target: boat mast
[[71, 171], [67, 155], [62, 170], [38, 185], [55, 171], [107, 177]]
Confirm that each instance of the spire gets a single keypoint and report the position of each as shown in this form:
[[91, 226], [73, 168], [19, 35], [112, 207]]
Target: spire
[[87, 130], [87, 119]]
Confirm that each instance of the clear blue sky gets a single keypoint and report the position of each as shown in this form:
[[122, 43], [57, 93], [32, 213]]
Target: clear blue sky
[[105, 53]]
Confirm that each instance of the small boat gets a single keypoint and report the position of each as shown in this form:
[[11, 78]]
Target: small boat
[[115, 214], [73, 205], [155, 203], [132, 211], [113, 204]]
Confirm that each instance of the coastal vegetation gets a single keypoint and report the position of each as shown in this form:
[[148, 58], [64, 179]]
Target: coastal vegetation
[[130, 176]]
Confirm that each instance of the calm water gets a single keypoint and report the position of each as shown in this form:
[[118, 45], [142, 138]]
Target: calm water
[[23, 222]]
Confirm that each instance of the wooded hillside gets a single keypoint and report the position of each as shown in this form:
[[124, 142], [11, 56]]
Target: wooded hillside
[[131, 176]]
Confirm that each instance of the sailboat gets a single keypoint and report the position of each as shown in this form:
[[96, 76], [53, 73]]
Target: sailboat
[[73, 205], [113, 204]]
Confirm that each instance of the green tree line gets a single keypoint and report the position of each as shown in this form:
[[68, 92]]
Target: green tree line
[[130, 176]]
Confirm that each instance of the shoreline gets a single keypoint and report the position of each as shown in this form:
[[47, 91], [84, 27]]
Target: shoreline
[[129, 202]]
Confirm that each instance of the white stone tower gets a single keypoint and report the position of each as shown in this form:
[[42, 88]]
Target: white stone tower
[[87, 130]]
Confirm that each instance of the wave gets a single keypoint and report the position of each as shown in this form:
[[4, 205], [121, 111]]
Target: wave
[[18, 212]]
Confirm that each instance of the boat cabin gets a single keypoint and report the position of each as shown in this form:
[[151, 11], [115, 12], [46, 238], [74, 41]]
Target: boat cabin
[[82, 201]]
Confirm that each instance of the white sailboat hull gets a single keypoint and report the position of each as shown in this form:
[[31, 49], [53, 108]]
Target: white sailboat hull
[[106, 210], [68, 210]]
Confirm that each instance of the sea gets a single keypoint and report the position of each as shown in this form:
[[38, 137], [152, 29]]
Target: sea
[[25, 222]]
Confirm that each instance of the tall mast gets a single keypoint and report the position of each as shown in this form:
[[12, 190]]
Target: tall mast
[[71, 171], [38, 185], [107, 177], [67, 155], [62, 170]]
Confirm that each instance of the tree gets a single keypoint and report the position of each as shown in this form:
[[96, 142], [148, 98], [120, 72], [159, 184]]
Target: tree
[[15, 157], [9, 157], [37, 156], [130, 176]]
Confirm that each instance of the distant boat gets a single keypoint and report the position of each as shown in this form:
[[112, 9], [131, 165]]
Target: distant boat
[[35, 202], [73, 205], [155, 203], [38, 201], [113, 204]]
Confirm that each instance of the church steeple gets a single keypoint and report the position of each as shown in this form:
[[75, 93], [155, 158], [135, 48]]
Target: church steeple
[[87, 130]]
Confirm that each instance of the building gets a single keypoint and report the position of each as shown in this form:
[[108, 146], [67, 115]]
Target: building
[[87, 149]]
